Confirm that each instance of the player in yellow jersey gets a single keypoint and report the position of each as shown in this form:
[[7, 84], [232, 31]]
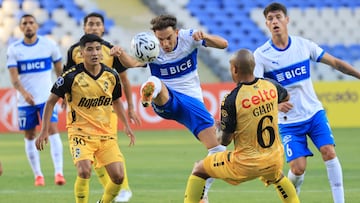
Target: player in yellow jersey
[[94, 24], [92, 92], [249, 118]]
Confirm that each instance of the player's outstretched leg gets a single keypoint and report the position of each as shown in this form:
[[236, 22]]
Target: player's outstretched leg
[[286, 191], [194, 189], [150, 90], [296, 180]]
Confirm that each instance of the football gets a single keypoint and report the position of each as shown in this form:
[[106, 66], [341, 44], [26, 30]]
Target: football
[[145, 47]]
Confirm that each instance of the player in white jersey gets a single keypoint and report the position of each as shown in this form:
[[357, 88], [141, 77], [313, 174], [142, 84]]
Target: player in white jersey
[[29, 61], [287, 59], [174, 89]]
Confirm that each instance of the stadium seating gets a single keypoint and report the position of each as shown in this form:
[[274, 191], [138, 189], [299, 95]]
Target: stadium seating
[[330, 23], [60, 20]]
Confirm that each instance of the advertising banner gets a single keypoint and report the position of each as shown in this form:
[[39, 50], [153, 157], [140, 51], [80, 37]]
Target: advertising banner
[[213, 93], [341, 101]]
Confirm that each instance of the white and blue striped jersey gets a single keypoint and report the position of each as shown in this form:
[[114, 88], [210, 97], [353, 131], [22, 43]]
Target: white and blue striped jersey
[[178, 69], [291, 68], [34, 64]]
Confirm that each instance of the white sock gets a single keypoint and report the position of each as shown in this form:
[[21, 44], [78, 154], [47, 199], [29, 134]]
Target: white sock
[[33, 156], [56, 150], [335, 177], [157, 84], [296, 180], [209, 181]]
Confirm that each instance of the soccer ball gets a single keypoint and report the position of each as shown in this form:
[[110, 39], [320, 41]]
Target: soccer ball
[[145, 47]]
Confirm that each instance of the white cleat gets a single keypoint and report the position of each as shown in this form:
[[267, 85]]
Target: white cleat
[[123, 196]]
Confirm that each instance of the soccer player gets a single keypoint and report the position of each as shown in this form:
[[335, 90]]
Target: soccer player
[[92, 92], [174, 89], [249, 118], [29, 61], [286, 58], [94, 24]]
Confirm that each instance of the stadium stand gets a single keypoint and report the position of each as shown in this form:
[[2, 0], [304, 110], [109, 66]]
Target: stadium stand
[[331, 23]]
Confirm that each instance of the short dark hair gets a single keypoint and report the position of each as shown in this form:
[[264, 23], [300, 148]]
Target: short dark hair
[[89, 38], [93, 14], [163, 21], [26, 15], [275, 7]]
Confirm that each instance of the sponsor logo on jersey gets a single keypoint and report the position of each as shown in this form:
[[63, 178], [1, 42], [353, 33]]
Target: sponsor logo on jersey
[[261, 97], [291, 74], [94, 102], [175, 69], [36, 65]]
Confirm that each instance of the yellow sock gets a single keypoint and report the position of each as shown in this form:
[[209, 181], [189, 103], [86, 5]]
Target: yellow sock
[[102, 175], [194, 189], [286, 191], [81, 190], [111, 190], [125, 183]]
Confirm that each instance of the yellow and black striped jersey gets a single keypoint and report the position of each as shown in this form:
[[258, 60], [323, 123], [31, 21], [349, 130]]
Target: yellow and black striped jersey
[[89, 99], [250, 111], [74, 57]]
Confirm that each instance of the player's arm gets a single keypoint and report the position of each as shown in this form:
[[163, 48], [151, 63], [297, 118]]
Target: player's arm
[[14, 77], [120, 112], [128, 94], [210, 40], [340, 65], [228, 119], [58, 68], [125, 59], [48, 110]]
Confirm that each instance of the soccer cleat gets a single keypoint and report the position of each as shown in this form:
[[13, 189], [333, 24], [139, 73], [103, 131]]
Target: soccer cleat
[[123, 196], [204, 200], [39, 181], [146, 93], [59, 179]]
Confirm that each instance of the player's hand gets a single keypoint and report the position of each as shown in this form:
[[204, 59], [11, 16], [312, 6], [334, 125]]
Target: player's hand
[[285, 106], [199, 35], [63, 103], [28, 98], [130, 134], [116, 51], [41, 140], [134, 118]]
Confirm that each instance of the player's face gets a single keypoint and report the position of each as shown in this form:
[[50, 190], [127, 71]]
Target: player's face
[[167, 38], [92, 53], [276, 21], [28, 26], [95, 26]]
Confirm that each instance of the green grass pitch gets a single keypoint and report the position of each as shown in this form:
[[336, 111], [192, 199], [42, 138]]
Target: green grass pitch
[[158, 167]]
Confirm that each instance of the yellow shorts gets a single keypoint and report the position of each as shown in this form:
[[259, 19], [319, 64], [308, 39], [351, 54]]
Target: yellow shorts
[[222, 165], [105, 150]]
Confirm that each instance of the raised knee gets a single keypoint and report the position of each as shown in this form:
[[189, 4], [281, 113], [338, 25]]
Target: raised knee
[[118, 179], [298, 171]]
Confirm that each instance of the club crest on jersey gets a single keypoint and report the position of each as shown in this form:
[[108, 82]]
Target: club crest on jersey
[[59, 82], [106, 86]]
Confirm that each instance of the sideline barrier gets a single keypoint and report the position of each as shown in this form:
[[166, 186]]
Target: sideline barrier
[[341, 100], [213, 93]]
